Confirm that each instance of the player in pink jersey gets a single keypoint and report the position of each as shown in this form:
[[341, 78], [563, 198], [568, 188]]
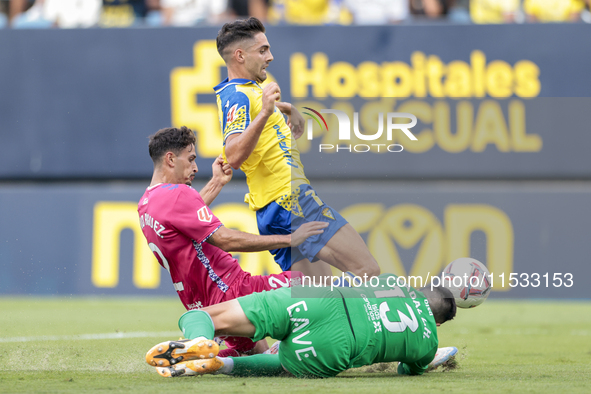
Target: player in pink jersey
[[191, 243]]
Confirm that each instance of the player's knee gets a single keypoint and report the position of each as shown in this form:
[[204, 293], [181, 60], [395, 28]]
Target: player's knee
[[373, 270], [369, 269], [371, 266], [222, 325], [374, 267], [368, 266]]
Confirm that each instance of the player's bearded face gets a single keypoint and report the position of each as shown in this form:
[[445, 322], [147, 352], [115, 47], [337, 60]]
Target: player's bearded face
[[258, 57]]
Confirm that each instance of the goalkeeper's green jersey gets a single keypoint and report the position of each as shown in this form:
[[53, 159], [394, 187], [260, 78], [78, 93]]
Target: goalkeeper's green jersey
[[391, 323], [325, 331]]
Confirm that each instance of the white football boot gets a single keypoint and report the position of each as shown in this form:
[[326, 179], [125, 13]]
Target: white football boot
[[443, 355]]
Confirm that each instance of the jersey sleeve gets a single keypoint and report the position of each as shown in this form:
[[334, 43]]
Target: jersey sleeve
[[191, 216], [417, 367], [236, 114]]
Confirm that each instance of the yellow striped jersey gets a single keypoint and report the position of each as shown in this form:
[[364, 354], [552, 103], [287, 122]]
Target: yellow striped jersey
[[274, 167]]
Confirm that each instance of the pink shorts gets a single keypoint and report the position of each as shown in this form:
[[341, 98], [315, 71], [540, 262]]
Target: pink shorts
[[249, 284]]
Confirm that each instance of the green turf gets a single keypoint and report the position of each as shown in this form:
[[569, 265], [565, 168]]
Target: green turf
[[537, 347]]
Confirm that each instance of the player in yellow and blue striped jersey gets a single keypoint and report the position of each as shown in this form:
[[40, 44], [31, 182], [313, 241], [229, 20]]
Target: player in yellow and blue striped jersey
[[258, 140]]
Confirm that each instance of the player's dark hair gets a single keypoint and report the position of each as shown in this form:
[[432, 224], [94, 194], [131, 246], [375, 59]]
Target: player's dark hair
[[441, 302], [239, 30], [169, 139]]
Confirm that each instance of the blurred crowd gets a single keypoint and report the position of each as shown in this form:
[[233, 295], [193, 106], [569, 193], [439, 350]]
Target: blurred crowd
[[154, 13]]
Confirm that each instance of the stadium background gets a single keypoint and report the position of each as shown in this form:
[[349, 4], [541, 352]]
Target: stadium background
[[500, 172]]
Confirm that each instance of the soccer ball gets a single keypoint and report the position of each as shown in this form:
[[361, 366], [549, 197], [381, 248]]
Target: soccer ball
[[468, 280]]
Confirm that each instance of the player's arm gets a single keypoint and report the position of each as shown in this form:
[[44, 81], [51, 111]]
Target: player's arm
[[239, 146], [222, 174], [231, 240], [295, 120], [416, 368]]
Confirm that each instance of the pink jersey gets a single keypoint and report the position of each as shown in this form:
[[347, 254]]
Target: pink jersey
[[176, 223]]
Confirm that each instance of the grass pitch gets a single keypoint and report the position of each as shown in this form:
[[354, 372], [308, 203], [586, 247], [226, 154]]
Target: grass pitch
[[79, 345]]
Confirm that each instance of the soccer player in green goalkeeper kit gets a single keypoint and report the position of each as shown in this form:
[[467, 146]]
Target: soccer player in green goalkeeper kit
[[366, 325]]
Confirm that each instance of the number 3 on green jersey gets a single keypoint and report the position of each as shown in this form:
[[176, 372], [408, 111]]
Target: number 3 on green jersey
[[405, 321]]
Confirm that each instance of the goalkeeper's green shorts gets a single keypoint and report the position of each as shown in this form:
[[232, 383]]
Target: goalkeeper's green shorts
[[315, 333]]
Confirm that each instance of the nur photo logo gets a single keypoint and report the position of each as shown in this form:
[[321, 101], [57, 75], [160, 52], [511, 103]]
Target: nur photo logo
[[344, 130]]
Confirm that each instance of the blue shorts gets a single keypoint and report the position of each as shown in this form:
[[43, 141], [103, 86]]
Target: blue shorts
[[274, 219]]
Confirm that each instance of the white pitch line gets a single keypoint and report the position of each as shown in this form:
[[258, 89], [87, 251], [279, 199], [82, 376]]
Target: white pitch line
[[114, 335]]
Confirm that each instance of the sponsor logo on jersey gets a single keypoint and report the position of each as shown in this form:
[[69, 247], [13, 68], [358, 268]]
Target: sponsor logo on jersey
[[204, 215], [195, 305], [299, 323], [231, 114], [235, 119], [377, 327]]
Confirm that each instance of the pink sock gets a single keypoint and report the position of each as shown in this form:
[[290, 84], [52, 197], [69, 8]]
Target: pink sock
[[228, 353]]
